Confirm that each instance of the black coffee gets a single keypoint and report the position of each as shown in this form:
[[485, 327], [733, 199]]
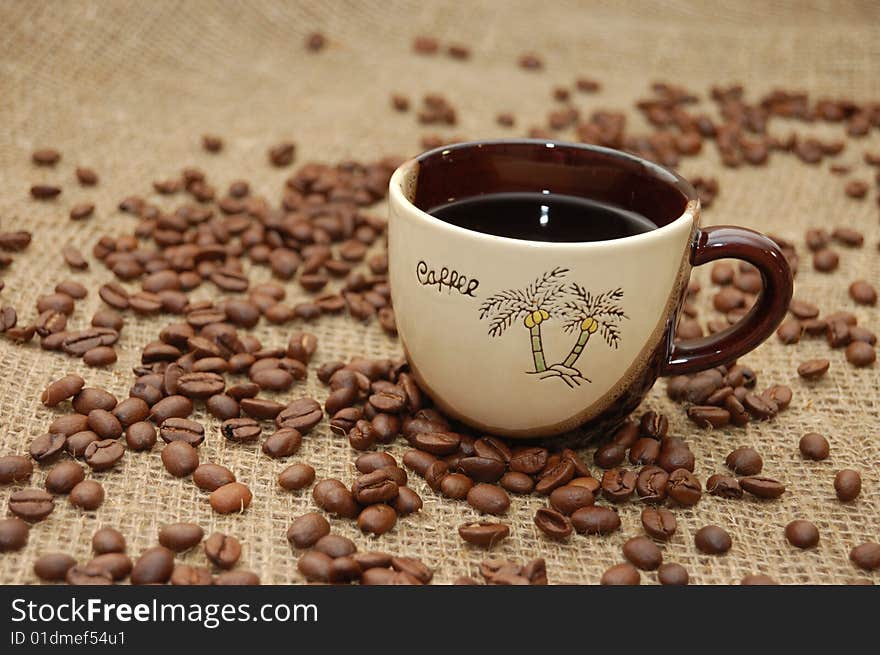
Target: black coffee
[[543, 217]]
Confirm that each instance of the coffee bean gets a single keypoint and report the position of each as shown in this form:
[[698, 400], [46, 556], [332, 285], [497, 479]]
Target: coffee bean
[[332, 496], [407, 501], [621, 575], [847, 485], [238, 577], [180, 536], [62, 389], [131, 411], [866, 556], [863, 293], [813, 369], [484, 534], [44, 191], [618, 484], [8, 318], [67, 425], [643, 553], [418, 460], [659, 523], [232, 497], [64, 476], [47, 446], [552, 523], [762, 487], [858, 333], [456, 486], [377, 519], [301, 415], [488, 499], [108, 540], [790, 331], [45, 157], [569, 498], [814, 446], [848, 236], [684, 487], [13, 534], [860, 354], [209, 477], [761, 406], [651, 484], [282, 154], [53, 567], [724, 486], [200, 385], [283, 443], [653, 425], [241, 430], [482, 469], [672, 574], [712, 540], [745, 461], [825, 260], [154, 566], [517, 483], [87, 495], [170, 407], [555, 476], [90, 399], [594, 519], [104, 424], [528, 460], [802, 534], [182, 429], [315, 566], [305, 530], [439, 443], [259, 408], [86, 176], [611, 455], [15, 468], [180, 458], [31, 504], [140, 436], [222, 550]]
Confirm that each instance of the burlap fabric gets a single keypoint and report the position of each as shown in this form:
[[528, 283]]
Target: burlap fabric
[[128, 88]]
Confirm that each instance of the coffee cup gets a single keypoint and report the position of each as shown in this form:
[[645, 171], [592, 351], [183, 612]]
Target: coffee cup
[[530, 334]]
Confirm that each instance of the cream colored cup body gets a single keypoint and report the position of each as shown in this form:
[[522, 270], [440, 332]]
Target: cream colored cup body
[[525, 338]]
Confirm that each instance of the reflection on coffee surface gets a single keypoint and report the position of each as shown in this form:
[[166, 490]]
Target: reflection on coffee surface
[[543, 217]]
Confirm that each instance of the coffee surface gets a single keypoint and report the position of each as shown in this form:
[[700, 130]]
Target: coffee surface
[[536, 216]]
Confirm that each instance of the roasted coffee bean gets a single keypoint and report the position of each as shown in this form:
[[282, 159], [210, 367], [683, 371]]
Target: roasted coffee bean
[[47, 446], [130, 411], [789, 332], [456, 486], [231, 497], [621, 575], [435, 474], [482, 469], [866, 556], [407, 501], [222, 550], [712, 540], [62, 389], [53, 567], [31, 504], [569, 498], [858, 333], [315, 566], [762, 487], [552, 523], [154, 566], [745, 461], [88, 575], [837, 333], [847, 485], [68, 424], [171, 407], [517, 483], [653, 425], [200, 385], [863, 293], [13, 534], [87, 495], [238, 577], [484, 534], [369, 462], [438, 443], [180, 458], [307, 529], [104, 454], [700, 387], [90, 399], [813, 369], [64, 476], [684, 487], [644, 451], [15, 468], [643, 553], [848, 236], [283, 443], [108, 540], [332, 496], [528, 460], [182, 429], [802, 534], [180, 536], [814, 446], [104, 424], [488, 499], [611, 454], [260, 408], [139, 436], [672, 574], [241, 429], [558, 475], [825, 260], [724, 486], [860, 354], [209, 477], [651, 484], [377, 519], [44, 191], [594, 519], [183, 574], [74, 258], [8, 318], [618, 484], [301, 415], [659, 523], [418, 460]]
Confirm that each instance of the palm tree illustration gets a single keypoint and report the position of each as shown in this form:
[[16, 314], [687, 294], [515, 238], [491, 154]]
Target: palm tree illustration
[[533, 305], [590, 313]]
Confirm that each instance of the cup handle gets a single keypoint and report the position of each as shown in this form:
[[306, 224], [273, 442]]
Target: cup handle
[[725, 241]]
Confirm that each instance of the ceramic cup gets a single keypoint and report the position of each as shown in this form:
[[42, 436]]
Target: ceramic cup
[[534, 339]]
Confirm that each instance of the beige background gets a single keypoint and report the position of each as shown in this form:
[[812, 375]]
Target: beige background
[[128, 88]]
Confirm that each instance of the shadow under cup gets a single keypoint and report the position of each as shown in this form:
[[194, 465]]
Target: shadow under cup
[[524, 375]]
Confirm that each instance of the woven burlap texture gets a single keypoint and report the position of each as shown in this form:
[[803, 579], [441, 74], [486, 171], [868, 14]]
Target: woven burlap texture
[[128, 88]]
